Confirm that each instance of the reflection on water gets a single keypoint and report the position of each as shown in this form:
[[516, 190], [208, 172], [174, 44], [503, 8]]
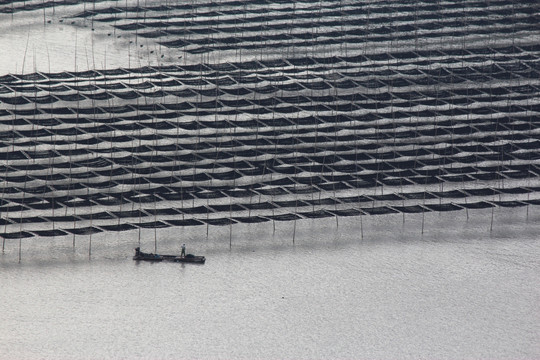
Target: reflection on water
[[457, 291]]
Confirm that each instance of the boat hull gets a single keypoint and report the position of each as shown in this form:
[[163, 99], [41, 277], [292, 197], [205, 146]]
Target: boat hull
[[189, 258]]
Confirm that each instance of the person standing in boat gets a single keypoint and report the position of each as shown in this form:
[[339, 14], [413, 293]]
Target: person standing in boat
[[183, 254]]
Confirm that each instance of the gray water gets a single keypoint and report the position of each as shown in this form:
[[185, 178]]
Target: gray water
[[458, 285], [457, 291]]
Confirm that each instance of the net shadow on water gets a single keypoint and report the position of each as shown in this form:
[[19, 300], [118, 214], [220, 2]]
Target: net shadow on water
[[317, 234]]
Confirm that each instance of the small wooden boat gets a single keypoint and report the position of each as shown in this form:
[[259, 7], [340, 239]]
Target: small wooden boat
[[189, 258]]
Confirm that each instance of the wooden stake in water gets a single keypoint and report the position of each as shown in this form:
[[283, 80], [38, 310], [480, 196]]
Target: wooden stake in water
[[90, 240], [230, 235], [423, 204], [528, 198], [423, 218], [230, 222], [361, 227], [492, 212], [294, 231]]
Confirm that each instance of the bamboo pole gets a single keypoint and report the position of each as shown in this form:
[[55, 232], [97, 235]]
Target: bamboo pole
[[294, 231], [492, 215]]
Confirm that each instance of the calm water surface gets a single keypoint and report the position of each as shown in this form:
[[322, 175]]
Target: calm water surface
[[458, 291]]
